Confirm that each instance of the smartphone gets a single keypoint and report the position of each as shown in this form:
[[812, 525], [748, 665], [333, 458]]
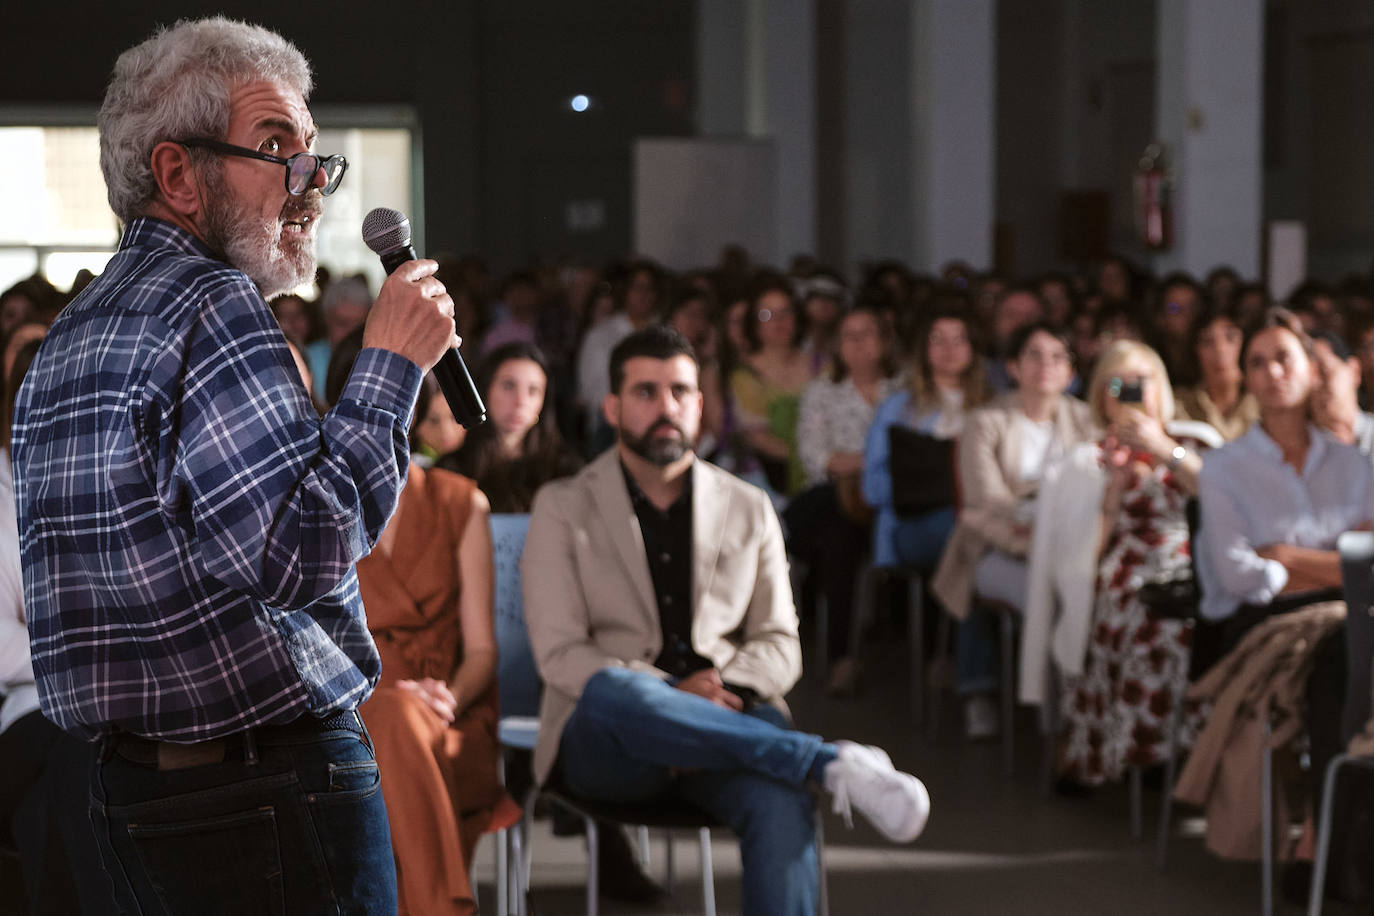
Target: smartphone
[[1128, 392]]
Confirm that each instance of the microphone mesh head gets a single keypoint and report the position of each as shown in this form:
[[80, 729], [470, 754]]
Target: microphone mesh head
[[385, 230]]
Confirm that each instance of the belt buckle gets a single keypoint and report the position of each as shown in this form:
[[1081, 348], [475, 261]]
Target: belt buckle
[[184, 756]]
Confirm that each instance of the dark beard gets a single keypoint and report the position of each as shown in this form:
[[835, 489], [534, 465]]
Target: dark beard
[[656, 451]]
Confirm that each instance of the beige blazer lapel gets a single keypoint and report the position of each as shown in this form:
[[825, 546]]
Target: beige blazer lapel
[[710, 509], [612, 499], [1011, 452]]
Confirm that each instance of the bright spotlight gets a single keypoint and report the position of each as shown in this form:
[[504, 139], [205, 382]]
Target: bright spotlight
[[580, 103]]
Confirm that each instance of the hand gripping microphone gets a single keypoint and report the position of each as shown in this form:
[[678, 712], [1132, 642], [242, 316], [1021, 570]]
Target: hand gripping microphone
[[387, 232]]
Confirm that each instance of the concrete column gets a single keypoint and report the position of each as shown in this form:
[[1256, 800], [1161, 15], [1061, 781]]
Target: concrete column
[[1209, 114], [953, 98], [756, 73], [722, 56]]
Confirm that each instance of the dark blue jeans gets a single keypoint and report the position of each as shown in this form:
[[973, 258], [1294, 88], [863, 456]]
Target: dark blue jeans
[[289, 822], [632, 736]]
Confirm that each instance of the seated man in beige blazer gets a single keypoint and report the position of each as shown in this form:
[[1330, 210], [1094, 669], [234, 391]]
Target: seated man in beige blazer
[[661, 616]]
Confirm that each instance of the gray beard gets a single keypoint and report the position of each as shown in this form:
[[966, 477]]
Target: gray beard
[[275, 265]]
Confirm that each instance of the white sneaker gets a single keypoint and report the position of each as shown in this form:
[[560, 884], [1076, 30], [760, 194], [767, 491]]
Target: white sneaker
[[863, 777], [981, 719]]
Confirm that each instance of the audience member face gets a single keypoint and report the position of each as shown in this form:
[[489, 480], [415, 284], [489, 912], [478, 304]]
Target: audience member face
[[693, 321], [1058, 302], [948, 350], [515, 397], [1113, 282], [821, 312], [777, 320], [293, 317], [522, 299], [343, 319], [1335, 390], [1277, 370], [861, 344], [1043, 367], [437, 431], [16, 309], [1178, 308], [1364, 350], [1087, 345], [641, 297], [22, 335], [1017, 310], [1218, 353], [657, 412], [1221, 288], [735, 317], [602, 307]]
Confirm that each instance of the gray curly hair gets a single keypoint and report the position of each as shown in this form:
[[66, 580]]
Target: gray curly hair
[[176, 85]]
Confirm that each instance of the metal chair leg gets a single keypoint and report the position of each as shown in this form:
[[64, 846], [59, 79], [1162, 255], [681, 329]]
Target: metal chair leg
[[1267, 825], [643, 846], [1318, 894], [593, 869], [1008, 693], [944, 639], [668, 862], [708, 878], [1049, 725], [916, 632], [502, 873], [1166, 811], [823, 883], [1137, 790]]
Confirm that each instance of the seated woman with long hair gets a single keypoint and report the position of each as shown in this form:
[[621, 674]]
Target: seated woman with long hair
[[1004, 452], [1219, 397], [1123, 668], [768, 384], [427, 586], [945, 380], [518, 449], [827, 523]]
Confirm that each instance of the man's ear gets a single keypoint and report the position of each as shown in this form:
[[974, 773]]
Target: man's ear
[[1354, 364], [177, 181], [610, 409]]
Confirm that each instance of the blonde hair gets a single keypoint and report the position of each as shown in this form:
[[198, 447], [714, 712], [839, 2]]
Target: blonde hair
[[1109, 365]]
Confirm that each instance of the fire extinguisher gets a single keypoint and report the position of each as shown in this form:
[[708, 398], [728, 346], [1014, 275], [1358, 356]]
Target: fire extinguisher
[[1154, 219]]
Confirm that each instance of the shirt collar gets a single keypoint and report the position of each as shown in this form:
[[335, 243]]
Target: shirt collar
[[638, 499], [151, 232], [1265, 445]]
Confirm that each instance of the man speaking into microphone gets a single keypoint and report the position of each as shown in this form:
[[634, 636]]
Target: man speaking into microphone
[[189, 526]]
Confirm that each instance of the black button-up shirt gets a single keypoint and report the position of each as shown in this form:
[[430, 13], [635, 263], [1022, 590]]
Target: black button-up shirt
[[668, 547]]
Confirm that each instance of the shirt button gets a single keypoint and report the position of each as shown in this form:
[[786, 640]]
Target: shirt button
[[665, 557], [667, 600]]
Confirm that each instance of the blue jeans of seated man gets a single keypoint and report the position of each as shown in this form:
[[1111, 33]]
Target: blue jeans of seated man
[[631, 735], [300, 829]]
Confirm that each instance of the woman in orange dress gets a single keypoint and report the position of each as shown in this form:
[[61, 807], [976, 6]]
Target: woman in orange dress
[[427, 588]]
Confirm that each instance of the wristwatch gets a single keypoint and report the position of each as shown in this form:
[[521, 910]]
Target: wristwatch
[[1177, 456]]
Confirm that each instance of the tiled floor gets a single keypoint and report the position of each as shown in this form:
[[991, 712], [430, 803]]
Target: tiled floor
[[994, 844]]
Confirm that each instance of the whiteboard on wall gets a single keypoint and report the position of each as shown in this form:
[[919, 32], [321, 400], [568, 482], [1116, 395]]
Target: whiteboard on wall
[[693, 196]]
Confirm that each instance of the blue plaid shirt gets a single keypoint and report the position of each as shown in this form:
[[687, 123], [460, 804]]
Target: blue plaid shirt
[[188, 524]]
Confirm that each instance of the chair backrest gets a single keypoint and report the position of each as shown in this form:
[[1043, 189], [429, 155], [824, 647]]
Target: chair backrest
[[517, 677], [1357, 580]]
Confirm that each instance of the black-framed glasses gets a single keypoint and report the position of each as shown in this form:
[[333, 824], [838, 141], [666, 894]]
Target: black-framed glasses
[[301, 168]]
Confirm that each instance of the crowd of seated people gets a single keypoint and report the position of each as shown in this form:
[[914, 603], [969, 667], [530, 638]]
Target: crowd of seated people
[[830, 393]]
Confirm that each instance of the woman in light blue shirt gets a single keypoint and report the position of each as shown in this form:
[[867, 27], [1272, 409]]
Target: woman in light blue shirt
[[946, 379]]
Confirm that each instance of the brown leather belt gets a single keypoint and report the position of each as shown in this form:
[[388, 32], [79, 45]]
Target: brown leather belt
[[170, 755]]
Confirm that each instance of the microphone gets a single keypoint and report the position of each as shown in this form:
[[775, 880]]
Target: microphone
[[387, 232]]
